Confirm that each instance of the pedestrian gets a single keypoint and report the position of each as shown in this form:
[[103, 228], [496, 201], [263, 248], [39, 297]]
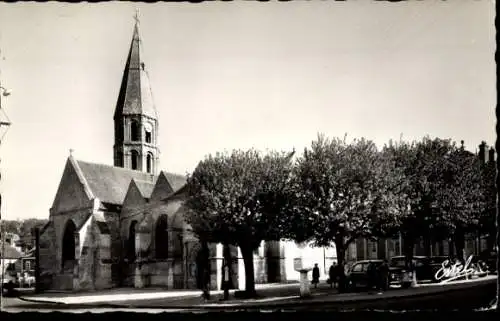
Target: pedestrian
[[372, 275], [383, 276], [206, 283], [315, 276], [332, 274], [225, 280]]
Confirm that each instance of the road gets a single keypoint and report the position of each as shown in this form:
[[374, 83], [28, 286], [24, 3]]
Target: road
[[467, 296]]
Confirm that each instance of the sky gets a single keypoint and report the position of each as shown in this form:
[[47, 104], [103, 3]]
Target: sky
[[228, 75]]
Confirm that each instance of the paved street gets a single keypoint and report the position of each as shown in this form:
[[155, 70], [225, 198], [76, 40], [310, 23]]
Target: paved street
[[463, 294]]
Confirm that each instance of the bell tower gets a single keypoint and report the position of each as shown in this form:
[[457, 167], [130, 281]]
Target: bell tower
[[136, 118]]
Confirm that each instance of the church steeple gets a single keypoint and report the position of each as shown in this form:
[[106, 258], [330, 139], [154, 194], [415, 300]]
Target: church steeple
[[136, 119]]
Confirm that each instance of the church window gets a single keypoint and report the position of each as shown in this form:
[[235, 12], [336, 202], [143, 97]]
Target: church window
[[135, 159], [161, 238], [134, 131], [148, 130], [68, 242], [131, 241], [149, 163], [119, 159]]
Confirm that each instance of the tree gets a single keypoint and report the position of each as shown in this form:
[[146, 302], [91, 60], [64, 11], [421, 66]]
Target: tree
[[236, 199], [422, 165], [345, 191], [459, 198], [487, 219]]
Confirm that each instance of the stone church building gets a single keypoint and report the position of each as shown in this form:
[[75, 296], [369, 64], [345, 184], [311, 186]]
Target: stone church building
[[123, 225]]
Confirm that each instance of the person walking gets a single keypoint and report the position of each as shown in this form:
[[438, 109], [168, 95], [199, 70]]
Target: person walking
[[383, 277], [372, 276], [315, 276], [332, 274]]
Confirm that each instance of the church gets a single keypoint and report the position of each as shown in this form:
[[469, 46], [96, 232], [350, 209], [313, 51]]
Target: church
[[123, 225]]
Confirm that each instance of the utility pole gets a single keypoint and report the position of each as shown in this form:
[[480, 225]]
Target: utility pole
[[4, 126]]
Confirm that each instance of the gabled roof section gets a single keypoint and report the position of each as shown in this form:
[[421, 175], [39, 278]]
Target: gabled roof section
[[146, 188], [176, 181], [135, 96], [166, 184], [109, 183]]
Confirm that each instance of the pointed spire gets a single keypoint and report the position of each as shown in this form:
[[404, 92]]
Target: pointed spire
[[135, 96]]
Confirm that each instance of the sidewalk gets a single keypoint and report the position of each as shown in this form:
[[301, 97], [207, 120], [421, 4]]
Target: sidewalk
[[270, 296], [132, 294]]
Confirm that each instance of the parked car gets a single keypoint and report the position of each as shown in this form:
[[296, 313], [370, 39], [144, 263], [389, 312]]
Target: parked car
[[490, 258], [357, 276], [425, 268]]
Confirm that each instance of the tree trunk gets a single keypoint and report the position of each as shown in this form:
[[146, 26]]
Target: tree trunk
[[340, 249], [451, 248], [247, 253], [408, 245], [459, 241], [427, 246]]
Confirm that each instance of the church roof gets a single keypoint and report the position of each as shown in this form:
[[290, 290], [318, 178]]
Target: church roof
[[135, 96], [146, 188], [109, 183], [176, 181]]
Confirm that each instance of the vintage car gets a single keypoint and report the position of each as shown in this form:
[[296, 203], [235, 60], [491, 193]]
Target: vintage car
[[357, 276], [425, 268]]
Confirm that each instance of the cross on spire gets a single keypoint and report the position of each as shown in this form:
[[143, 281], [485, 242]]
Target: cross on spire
[[136, 16]]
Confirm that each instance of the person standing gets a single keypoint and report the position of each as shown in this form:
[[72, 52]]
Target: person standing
[[315, 276], [383, 276], [332, 274]]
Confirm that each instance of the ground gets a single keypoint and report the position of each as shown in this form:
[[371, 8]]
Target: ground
[[468, 295]]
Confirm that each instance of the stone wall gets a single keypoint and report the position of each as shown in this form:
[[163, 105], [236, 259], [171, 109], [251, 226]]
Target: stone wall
[[47, 256]]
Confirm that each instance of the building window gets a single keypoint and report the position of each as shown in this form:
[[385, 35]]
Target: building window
[[148, 132], [149, 163], [135, 159], [161, 238], [131, 241], [119, 159], [68, 242], [135, 131]]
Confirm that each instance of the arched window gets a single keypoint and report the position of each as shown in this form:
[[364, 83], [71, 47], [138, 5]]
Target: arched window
[[131, 241], [68, 242], [135, 131], [161, 237], [135, 159], [119, 159], [148, 132], [149, 163]]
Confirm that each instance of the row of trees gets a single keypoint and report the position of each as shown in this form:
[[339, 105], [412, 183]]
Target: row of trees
[[24, 229], [338, 191]]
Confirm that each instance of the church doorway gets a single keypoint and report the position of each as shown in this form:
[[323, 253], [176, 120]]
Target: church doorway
[[131, 242], [161, 238], [68, 247]]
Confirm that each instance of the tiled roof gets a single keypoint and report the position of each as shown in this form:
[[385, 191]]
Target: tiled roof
[[109, 183], [176, 181], [9, 252], [146, 188]]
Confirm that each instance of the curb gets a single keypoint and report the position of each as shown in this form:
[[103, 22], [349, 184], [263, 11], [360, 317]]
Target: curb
[[334, 300]]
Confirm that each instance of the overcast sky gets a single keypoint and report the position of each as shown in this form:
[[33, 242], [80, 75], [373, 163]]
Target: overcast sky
[[238, 75]]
